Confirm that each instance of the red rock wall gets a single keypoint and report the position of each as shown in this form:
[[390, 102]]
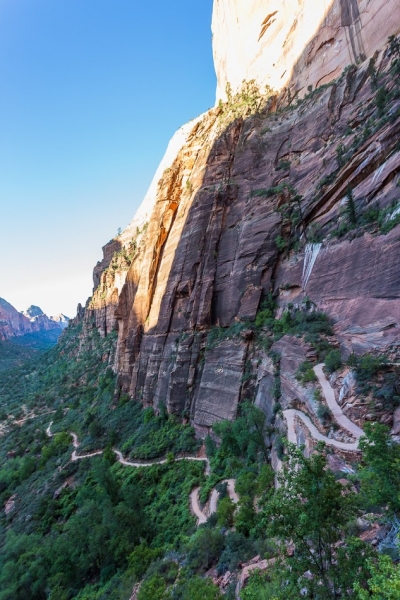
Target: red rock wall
[[209, 255]]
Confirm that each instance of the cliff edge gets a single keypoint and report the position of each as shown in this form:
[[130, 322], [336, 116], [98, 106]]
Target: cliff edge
[[296, 43]]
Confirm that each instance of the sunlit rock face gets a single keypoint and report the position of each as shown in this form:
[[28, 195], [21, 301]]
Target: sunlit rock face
[[202, 252], [296, 43], [109, 275]]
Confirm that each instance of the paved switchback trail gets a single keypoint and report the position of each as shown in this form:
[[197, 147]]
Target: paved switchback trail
[[337, 413], [194, 495], [289, 415]]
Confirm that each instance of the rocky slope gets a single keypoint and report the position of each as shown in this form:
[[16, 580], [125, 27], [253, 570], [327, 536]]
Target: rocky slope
[[255, 200], [33, 320], [296, 43]]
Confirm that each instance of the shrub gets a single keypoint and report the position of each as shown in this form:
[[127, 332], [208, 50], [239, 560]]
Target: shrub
[[333, 361], [380, 100], [152, 588], [324, 413], [141, 558], [367, 366], [388, 392], [198, 588], [279, 447], [225, 511], [351, 207], [284, 165], [281, 243], [305, 373]]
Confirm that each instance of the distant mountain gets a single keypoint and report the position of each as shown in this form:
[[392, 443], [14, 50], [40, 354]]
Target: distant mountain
[[41, 322], [15, 325], [32, 312], [12, 322], [61, 319]]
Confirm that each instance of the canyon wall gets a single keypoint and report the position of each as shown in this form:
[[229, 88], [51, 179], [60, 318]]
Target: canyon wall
[[296, 43], [217, 234]]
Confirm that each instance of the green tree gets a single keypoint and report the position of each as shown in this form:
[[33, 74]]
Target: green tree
[[333, 361], [311, 509], [198, 588], [245, 519], [384, 583], [205, 548], [152, 588], [141, 558], [225, 510], [381, 99], [351, 207], [380, 473]]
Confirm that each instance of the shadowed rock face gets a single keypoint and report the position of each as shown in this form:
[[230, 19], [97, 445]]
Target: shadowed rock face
[[296, 42], [209, 256]]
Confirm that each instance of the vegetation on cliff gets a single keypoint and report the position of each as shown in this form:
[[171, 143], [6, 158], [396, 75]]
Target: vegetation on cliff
[[89, 529]]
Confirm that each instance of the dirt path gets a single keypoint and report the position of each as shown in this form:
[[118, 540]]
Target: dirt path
[[231, 493], [75, 456]]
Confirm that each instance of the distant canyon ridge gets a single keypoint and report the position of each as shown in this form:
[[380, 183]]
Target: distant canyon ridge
[[15, 324]]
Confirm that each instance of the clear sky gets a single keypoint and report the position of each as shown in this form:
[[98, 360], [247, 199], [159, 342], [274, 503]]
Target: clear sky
[[90, 93]]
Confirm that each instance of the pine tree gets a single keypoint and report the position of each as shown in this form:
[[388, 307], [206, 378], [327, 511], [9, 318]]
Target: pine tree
[[351, 207]]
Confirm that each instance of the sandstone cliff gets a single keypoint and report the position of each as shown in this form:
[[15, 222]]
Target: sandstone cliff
[[296, 43], [254, 201]]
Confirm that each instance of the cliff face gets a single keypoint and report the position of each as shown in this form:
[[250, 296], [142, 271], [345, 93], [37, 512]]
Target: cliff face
[[296, 43], [110, 273], [252, 204]]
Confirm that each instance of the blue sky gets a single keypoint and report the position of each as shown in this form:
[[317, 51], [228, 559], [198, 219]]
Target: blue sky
[[90, 93]]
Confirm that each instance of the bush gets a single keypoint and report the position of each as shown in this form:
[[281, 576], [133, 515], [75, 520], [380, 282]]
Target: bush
[[205, 548], [333, 361], [281, 243], [305, 373], [198, 588], [366, 368], [225, 511], [154, 587], [237, 549], [324, 413], [141, 558], [389, 391]]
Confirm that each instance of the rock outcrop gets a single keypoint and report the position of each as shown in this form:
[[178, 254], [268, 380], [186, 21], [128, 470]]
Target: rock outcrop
[[252, 204], [296, 43]]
